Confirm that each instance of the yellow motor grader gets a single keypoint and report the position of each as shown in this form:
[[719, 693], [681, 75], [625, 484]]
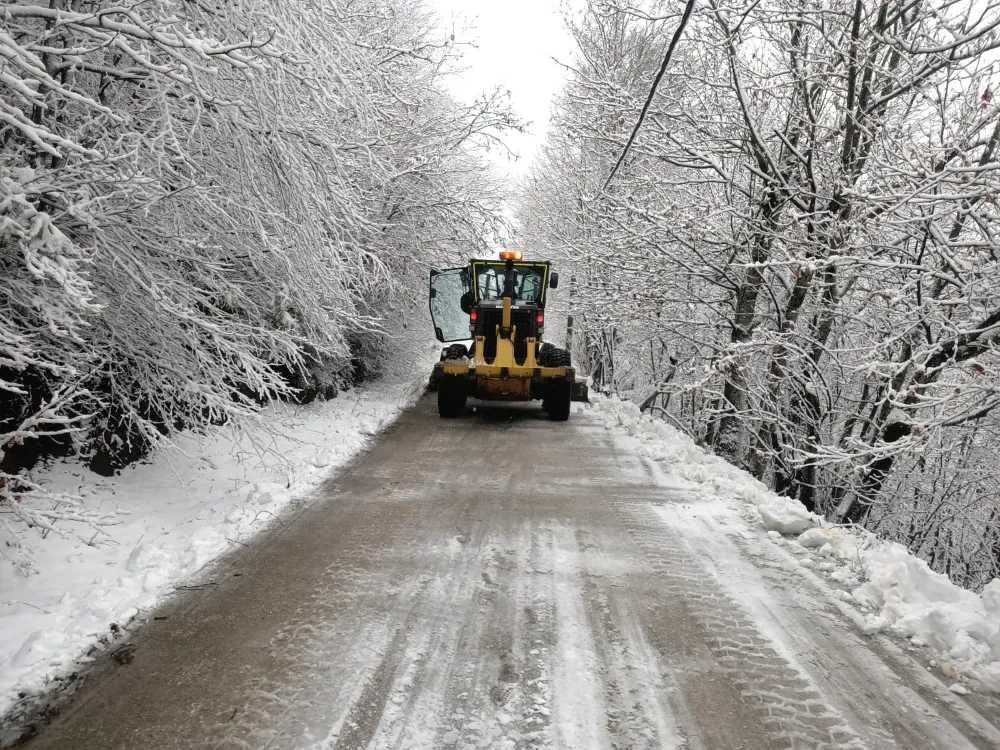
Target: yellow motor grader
[[500, 306]]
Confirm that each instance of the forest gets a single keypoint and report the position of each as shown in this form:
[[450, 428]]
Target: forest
[[208, 204], [797, 263]]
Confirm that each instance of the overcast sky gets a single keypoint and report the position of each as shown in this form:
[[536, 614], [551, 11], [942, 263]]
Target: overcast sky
[[516, 41]]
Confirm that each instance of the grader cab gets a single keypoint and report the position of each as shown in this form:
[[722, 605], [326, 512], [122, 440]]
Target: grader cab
[[500, 306]]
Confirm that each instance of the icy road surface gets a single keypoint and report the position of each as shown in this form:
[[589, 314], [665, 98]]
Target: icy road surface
[[501, 581]]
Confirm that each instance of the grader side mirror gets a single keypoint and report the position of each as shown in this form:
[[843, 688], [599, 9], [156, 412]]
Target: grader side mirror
[[554, 280]]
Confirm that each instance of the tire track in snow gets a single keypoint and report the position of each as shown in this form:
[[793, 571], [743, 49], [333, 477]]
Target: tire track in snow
[[401, 702], [337, 632], [465, 685], [781, 697], [534, 597], [884, 690], [344, 644], [578, 711], [479, 676], [331, 635], [634, 691], [357, 729], [406, 701], [503, 698], [478, 692]]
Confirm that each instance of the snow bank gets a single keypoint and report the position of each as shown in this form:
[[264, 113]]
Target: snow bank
[[895, 591], [61, 595]]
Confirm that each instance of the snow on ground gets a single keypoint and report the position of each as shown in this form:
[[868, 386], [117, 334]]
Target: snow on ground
[[892, 590], [62, 595]]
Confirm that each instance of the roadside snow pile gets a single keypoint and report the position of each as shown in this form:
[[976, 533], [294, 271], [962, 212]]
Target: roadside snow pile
[[786, 518], [711, 475], [195, 500], [914, 602], [895, 591]]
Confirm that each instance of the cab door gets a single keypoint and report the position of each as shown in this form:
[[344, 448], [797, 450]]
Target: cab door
[[451, 323]]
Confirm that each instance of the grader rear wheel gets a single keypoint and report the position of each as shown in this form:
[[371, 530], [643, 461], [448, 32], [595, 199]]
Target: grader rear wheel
[[451, 396], [559, 400]]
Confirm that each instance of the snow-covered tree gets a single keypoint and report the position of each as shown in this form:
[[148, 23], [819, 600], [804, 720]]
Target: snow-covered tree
[[794, 263], [207, 205]]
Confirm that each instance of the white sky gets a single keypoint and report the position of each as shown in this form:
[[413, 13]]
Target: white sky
[[515, 43]]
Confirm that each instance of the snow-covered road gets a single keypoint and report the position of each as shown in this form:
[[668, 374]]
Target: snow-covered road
[[501, 581]]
